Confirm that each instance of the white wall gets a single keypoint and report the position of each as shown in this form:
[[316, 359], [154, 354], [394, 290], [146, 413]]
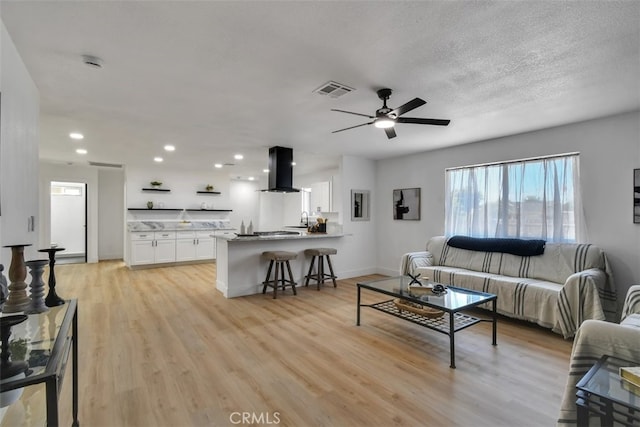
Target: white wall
[[360, 256], [245, 200], [609, 151], [110, 214], [18, 153], [183, 186]]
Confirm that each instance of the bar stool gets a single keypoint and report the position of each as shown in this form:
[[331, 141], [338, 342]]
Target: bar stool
[[319, 276], [280, 259]]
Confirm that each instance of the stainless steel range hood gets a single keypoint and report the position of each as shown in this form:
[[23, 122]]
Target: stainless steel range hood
[[281, 170]]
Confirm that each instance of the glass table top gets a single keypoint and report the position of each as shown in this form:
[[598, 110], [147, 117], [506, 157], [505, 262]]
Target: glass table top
[[605, 382], [33, 340], [454, 299]]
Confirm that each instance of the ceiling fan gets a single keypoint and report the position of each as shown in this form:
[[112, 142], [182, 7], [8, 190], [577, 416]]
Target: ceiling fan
[[386, 118]]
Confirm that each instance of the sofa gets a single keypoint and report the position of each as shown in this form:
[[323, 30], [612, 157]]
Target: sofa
[[595, 339], [556, 285]]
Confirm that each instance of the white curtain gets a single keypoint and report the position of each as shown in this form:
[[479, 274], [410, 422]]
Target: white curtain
[[528, 199]]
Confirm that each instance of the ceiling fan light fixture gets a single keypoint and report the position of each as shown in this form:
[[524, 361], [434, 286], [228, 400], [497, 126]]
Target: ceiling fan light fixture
[[384, 123]]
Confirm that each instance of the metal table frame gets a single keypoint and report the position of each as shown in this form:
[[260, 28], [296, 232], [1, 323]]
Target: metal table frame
[[66, 341]]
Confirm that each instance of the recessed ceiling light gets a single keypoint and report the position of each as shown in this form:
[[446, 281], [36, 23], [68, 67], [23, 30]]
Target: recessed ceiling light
[[169, 148], [251, 178], [158, 159], [217, 165], [265, 170], [76, 135], [81, 151], [238, 157], [293, 163]]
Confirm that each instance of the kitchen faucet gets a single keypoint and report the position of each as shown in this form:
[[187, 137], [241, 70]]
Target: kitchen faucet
[[305, 222]]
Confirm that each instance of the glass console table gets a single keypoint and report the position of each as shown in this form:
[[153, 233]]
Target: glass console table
[[43, 343]]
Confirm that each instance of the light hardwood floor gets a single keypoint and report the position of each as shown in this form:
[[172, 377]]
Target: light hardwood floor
[[161, 347]]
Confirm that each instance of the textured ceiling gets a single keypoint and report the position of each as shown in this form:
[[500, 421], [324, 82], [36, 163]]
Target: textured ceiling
[[216, 78]]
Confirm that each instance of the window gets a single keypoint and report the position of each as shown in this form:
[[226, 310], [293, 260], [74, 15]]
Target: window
[[528, 199]]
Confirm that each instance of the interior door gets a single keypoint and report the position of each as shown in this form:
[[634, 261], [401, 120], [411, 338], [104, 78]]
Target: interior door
[[69, 220]]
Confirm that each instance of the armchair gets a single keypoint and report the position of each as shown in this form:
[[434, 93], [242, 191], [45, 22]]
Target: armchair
[[596, 338]]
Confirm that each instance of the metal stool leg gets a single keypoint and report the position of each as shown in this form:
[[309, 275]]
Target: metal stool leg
[[333, 276], [313, 260], [293, 284], [320, 270], [275, 281], [266, 280]]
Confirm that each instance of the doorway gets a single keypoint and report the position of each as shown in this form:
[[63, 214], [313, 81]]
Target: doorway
[[69, 221]]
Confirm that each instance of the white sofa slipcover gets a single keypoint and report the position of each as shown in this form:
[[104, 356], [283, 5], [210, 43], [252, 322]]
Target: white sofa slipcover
[[559, 289]]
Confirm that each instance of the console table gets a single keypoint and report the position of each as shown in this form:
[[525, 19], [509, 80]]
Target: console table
[[48, 340]]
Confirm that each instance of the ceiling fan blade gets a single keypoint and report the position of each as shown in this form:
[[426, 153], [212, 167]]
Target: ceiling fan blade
[[411, 105], [418, 121], [351, 112], [391, 132], [356, 126]]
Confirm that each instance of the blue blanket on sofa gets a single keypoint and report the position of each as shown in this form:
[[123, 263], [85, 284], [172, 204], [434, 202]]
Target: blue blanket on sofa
[[519, 247]]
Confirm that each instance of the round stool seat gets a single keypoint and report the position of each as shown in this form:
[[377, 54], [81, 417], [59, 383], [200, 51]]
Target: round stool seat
[[320, 251], [279, 255]]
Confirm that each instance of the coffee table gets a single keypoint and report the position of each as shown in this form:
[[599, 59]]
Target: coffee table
[[452, 303]]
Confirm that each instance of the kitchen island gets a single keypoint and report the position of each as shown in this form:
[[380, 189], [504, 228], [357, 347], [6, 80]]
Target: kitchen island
[[241, 268]]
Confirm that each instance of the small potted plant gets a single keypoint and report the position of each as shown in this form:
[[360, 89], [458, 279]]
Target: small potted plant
[[209, 187], [155, 184]]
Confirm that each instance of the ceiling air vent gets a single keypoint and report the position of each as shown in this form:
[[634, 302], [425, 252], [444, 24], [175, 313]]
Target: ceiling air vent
[[333, 89], [105, 165]]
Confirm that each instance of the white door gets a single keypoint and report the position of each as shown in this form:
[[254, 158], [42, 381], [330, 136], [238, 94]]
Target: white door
[[69, 220]]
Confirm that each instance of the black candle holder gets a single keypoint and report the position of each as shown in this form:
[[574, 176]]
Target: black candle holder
[[52, 299]]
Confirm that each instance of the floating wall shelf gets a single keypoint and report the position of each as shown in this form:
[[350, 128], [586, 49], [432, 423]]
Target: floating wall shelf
[[208, 192], [160, 190], [209, 210], [153, 209], [178, 210]]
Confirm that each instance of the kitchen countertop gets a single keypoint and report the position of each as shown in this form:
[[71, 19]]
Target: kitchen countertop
[[301, 235], [178, 226]]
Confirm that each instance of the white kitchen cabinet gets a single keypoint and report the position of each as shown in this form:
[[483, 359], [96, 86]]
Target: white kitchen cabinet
[[320, 197], [142, 252], [194, 245], [152, 247], [185, 246], [165, 251], [205, 245]]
